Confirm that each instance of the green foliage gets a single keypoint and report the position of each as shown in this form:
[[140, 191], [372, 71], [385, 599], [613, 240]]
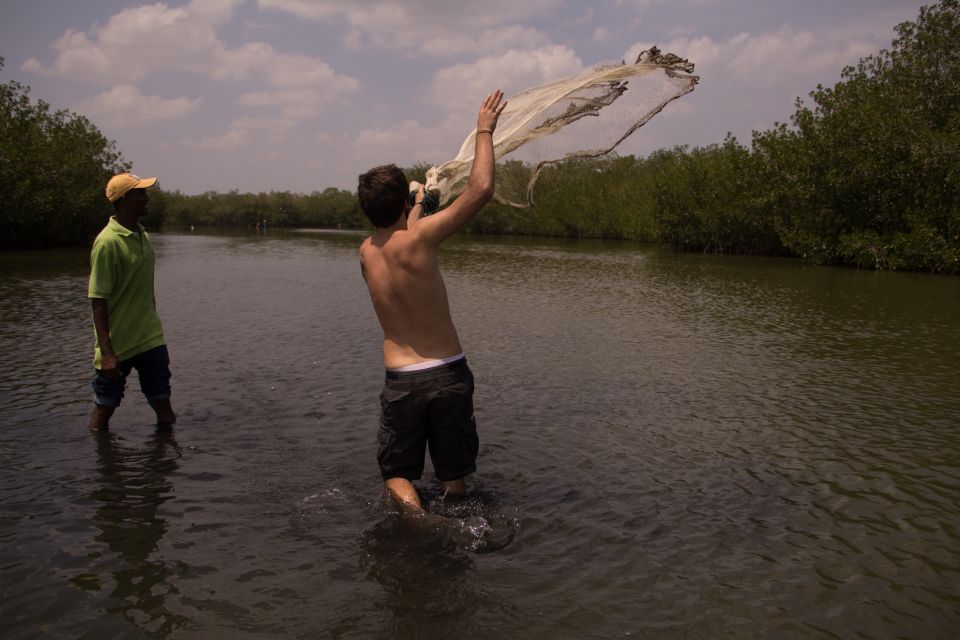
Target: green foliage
[[328, 208], [54, 166], [707, 200], [588, 198], [418, 172], [703, 200], [868, 176]]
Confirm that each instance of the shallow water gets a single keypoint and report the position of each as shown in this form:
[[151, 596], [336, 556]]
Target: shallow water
[[672, 446]]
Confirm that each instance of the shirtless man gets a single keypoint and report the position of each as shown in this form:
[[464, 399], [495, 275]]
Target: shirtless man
[[427, 396]]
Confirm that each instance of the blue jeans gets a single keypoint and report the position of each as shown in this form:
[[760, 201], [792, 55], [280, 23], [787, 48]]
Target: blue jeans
[[153, 369]]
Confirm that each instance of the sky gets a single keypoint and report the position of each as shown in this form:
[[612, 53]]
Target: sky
[[302, 95]]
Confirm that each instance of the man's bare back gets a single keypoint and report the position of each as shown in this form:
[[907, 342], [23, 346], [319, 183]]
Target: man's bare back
[[400, 262], [409, 297]]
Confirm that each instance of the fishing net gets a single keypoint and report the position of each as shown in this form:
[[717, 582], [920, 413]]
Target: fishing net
[[584, 116]]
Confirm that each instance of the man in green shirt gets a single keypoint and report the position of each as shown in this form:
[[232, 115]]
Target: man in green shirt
[[127, 328]]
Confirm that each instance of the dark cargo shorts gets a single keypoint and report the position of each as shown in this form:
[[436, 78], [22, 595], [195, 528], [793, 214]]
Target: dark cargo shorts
[[431, 408]]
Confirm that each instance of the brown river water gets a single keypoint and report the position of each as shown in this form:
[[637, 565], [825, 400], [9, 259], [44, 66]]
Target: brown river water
[[672, 446]]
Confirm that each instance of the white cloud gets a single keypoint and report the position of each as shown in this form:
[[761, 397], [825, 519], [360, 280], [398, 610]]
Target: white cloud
[[139, 41], [293, 103], [124, 106], [404, 144], [773, 58], [244, 132], [153, 38], [305, 9], [281, 69], [462, 87], [381, 15], [788, 51], [410, 141], [431, 27], [296, 70], [78, 56], [445, 44], [214, 10]]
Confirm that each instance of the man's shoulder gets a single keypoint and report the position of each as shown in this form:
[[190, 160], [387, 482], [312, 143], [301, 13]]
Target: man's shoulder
[[113, 230], [391, 241], [106, 238], [407, 244]]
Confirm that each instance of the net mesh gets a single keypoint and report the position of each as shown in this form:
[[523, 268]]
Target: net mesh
[[583, 116]]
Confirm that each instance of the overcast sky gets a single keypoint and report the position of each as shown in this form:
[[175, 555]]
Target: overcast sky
[[300, 95]]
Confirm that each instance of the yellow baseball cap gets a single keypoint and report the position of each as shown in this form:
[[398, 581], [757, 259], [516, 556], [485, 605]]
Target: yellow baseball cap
[[123, 182]]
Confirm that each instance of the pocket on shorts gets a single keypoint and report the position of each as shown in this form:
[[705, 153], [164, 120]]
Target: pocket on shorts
[[391, 401], [384, 439], [471, 441]]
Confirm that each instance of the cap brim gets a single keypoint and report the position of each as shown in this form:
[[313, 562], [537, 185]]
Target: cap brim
[[145, 183]]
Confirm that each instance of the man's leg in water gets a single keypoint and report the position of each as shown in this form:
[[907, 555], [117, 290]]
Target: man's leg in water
[[454, 488], [154, 369], [407, 498], [100, 418], [165, 415], [405, 494], [413, 513], [108, 393]]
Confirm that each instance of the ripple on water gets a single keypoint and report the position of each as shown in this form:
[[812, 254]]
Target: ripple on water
[[670, 445]]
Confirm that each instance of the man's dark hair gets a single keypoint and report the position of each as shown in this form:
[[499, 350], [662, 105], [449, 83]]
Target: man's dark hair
[[383, 194]]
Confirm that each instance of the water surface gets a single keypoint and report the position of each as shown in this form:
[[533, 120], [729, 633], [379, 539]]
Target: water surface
[[679, 446]]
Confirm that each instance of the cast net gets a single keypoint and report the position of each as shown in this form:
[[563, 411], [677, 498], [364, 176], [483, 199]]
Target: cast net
[[583, 116]]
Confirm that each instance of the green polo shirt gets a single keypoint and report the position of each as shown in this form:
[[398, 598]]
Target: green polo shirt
[[121, 272]]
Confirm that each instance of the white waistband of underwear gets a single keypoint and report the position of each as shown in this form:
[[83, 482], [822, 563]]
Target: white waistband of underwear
[[429, 364]]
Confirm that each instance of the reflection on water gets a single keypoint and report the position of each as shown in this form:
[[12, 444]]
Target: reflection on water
[[418, 572], [133, 484], [671, 446], [426, 566]]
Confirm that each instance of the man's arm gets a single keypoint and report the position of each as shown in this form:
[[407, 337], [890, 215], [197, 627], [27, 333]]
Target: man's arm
[[101, 323], [417, 211], [440, 226]]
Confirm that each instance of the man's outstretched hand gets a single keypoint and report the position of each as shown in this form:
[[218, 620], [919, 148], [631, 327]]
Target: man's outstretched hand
[[490, 112]]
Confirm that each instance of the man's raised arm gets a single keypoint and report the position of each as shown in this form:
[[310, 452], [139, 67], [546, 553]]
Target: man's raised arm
[[479, 189]]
